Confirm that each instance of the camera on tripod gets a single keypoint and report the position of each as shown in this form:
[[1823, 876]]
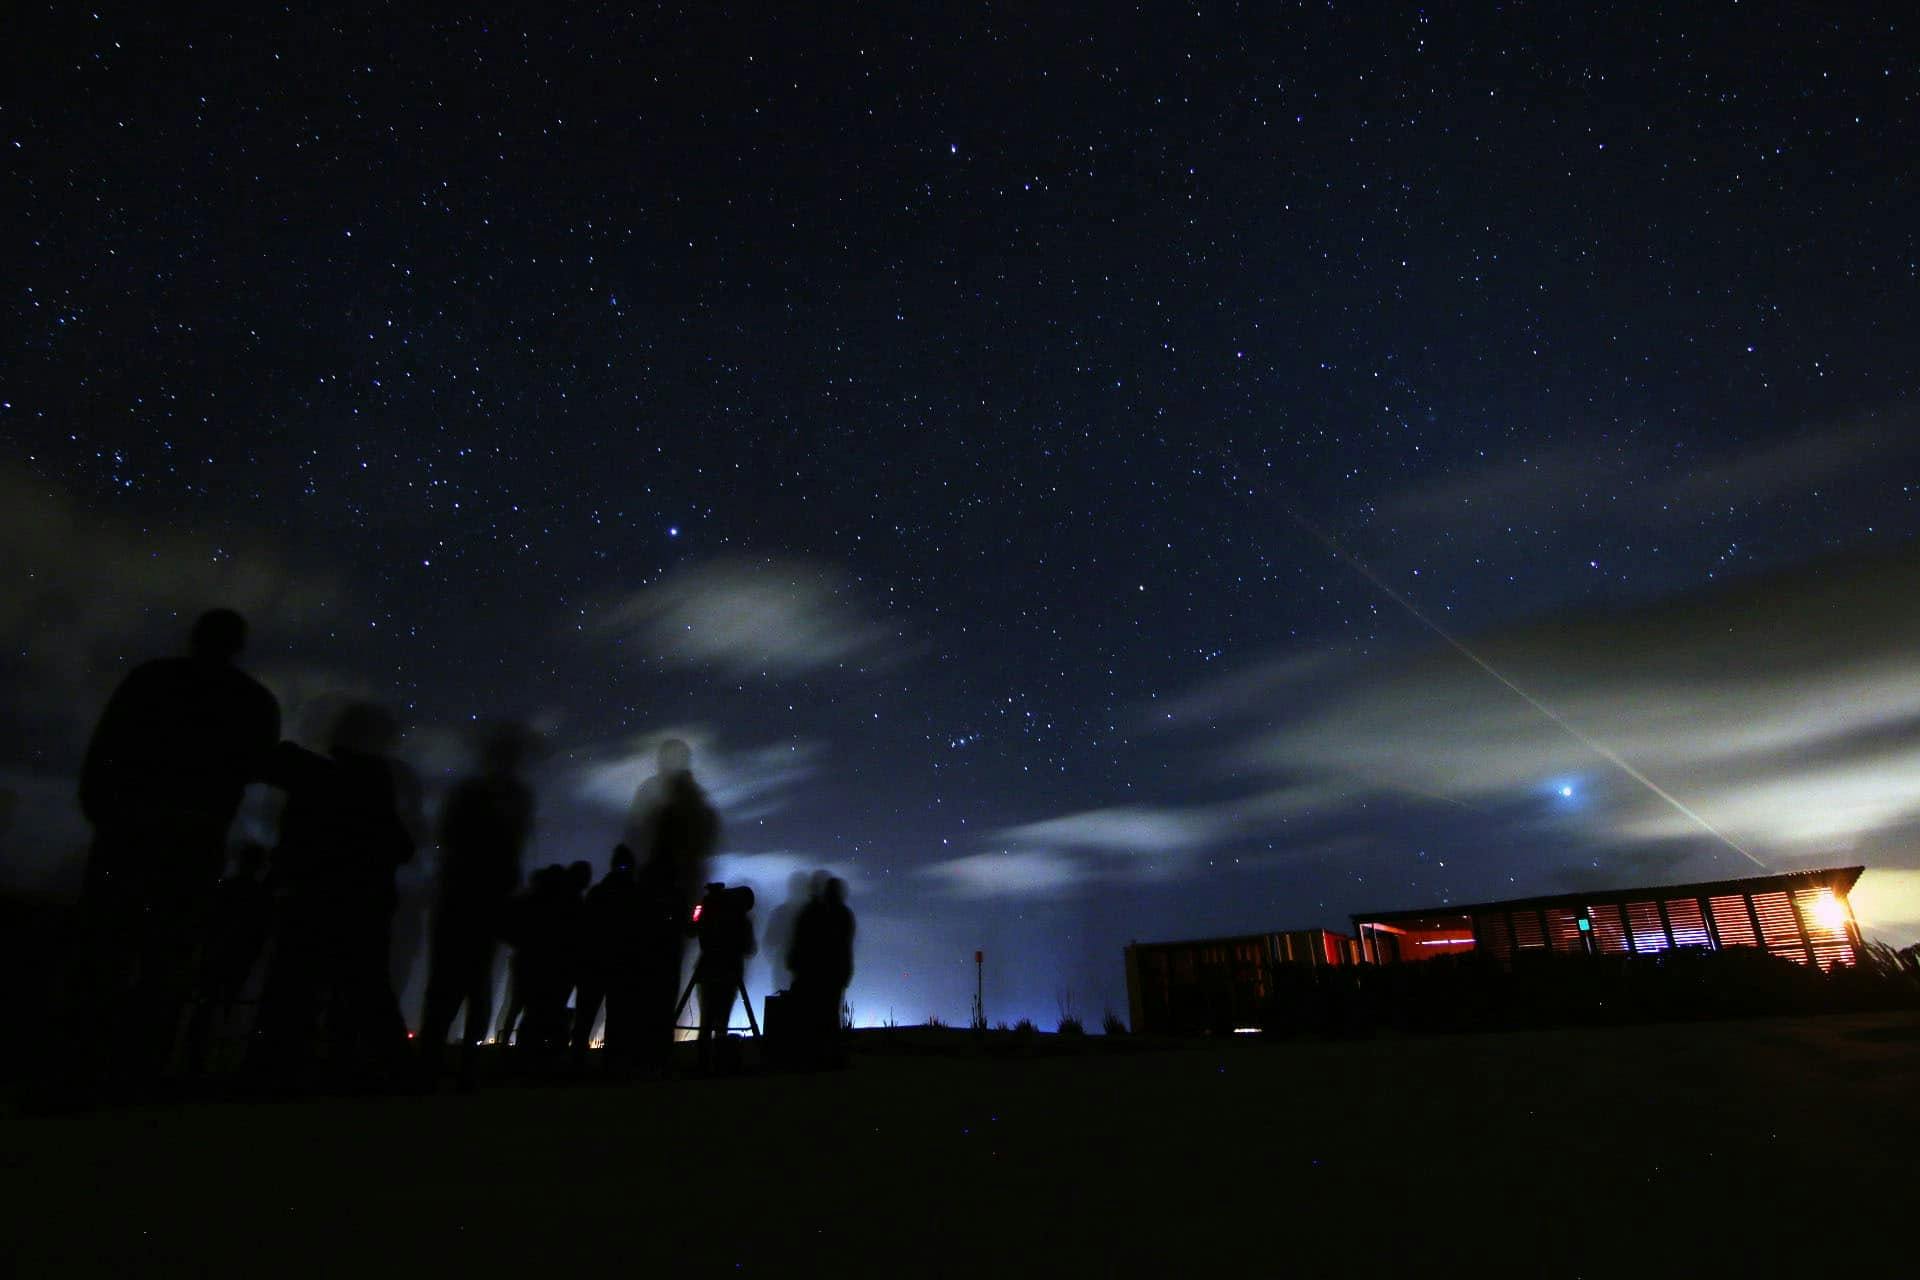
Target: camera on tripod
[[721, 908], [720, 922]]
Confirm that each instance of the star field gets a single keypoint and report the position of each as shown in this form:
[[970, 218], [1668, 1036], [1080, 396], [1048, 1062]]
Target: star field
[[963, 426]]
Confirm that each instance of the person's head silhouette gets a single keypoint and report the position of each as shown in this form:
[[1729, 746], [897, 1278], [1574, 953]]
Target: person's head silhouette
[[623, 859], [218, 636], [675, 758], [504, 748]]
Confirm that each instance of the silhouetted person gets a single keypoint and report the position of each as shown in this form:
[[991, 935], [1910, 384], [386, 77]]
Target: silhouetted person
[[515, 1005], [776, 938], [611, 961], [546, 941], [672, 819], [522, 917], [674, 830], [176, 746], [725, 928], [659, 952], [341, 839], [821, 960], [237, 927], [484, 827]]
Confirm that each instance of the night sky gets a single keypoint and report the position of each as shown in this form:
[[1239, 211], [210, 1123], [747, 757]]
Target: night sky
[[1016, 451]]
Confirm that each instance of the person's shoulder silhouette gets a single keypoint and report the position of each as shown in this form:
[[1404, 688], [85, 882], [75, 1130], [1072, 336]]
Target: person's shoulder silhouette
[[181, 737]]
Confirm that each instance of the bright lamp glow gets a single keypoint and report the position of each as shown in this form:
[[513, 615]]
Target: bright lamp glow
[[1828, 912]]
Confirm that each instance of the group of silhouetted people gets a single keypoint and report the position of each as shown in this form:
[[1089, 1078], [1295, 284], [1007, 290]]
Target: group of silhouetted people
[[170, 945]]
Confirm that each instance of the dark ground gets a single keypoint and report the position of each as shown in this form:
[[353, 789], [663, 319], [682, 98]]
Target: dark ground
[[1701, 1149]]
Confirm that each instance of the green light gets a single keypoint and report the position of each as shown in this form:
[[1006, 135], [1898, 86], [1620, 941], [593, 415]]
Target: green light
[[1586, 925]]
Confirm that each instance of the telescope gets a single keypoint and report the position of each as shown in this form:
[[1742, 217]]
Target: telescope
[[719, 904]]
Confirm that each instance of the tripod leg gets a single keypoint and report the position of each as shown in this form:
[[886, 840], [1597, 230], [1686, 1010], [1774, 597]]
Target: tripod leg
[[753, 1025], [684, 997]]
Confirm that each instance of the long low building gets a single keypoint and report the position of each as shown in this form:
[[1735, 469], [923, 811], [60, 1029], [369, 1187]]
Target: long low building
[[1210, 984], [1803, 916], [1193, 987]]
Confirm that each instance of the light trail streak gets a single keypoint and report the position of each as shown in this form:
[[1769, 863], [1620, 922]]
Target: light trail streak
[[1573, 731]]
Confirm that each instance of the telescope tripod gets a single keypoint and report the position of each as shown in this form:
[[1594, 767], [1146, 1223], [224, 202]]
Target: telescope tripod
[[752, 1024]]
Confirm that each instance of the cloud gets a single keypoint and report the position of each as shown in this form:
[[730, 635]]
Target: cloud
[[1029, 871], [1651, 486], [743, 784], [1536, 481], [43, 839], [770, 872], [775, 617], [1795, 464], [1128, 830], [1260, 686], [1128, 843], [89, 593], [1258, 812], [1785, 711], [1172, 831]]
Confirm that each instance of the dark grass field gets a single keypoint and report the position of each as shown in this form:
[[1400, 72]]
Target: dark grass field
[[1745, 1148]]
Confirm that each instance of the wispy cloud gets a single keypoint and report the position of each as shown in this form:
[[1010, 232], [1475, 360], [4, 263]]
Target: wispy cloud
[[1128, 830], [1537, 480], [42, 836], [1655, 488], [1261, 687], [88, 594], [744, 782], [1128, 843], [1029, 871], [1786, 712], [775, 617], [1797, 463], [769, 873]]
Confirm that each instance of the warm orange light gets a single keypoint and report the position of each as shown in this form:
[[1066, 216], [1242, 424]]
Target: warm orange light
[[1827, 912]]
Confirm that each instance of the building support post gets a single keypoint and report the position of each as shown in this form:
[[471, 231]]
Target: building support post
[[1666, 925], [1799, 923], [1753, 918], [1706, 915]]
